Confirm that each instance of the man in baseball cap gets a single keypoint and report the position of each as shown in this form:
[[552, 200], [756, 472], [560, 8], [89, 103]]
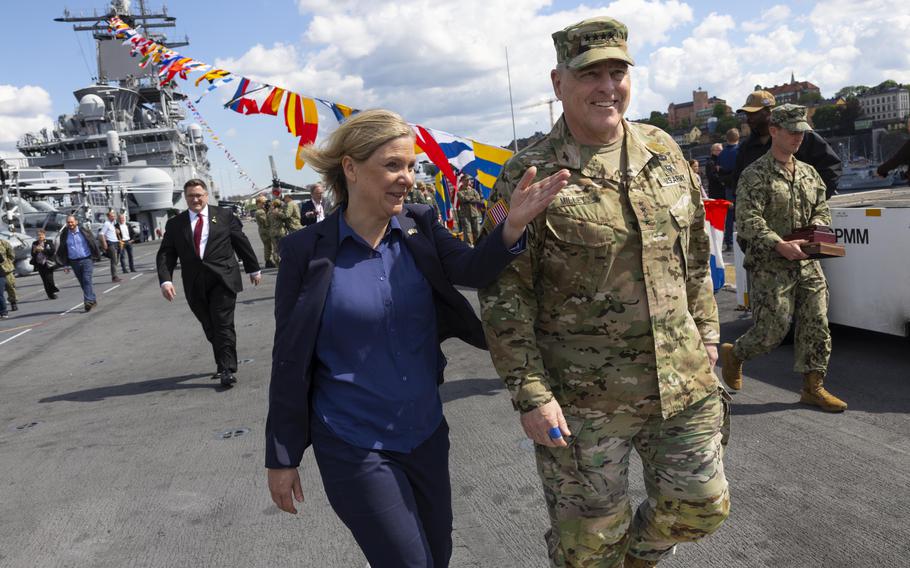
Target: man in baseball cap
[[814, 151], [757, 101], [595, 374], [779, 194]]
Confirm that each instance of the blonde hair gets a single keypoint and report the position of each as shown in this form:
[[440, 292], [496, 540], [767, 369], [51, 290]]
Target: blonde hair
[[358, 137]]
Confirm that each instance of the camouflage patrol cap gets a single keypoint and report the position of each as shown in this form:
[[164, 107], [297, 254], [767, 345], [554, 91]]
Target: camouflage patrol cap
[[757, 101], [791, 117], [590, 41]]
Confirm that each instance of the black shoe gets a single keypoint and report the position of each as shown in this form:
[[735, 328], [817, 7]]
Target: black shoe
[[52, 296], [216, 376], [269, 264], [228, 379], [89, 305], [13, 307], [116, 279]]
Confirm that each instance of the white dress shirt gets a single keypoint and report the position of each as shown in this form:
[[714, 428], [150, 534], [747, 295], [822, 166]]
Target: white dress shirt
[[108, 232], [124, 231]]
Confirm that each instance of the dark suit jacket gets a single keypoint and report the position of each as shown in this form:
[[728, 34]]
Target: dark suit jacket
[[225, 243], [309, 207], [307, 263], [63, 248]]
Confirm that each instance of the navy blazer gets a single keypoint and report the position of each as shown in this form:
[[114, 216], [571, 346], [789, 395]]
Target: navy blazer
[[307, 263]]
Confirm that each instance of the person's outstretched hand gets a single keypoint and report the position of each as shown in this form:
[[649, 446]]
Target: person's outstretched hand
[[530, 200]]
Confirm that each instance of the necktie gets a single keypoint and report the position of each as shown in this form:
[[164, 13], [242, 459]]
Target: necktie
[[197, 234]]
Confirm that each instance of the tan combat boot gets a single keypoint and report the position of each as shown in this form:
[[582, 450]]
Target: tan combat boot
[[635, 562], [815, 394], [732, 367]]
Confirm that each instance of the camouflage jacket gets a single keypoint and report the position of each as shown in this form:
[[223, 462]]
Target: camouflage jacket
[[7, 258], [769, 206], [262, 220], [277, 225], [470, 202], [416, 196], [290, 216], [613, 301]]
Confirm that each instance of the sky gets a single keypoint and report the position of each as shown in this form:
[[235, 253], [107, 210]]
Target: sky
[[442, 63]]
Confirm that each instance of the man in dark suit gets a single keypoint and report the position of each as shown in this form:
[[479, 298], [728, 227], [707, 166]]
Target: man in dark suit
[[313, 209], [207, 239]]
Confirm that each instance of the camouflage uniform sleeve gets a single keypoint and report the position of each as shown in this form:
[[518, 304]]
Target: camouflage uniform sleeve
[[751, 195], [699, 286], [821, 213], [509, 310]]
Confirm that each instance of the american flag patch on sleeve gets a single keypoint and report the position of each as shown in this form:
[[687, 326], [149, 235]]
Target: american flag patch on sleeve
[[496, 214]]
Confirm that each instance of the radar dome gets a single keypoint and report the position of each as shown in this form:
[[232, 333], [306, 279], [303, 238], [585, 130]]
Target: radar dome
[[152, 188], [91, 107]]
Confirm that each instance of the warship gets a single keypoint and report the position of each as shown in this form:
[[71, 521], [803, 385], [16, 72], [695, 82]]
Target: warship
[[125, 145]]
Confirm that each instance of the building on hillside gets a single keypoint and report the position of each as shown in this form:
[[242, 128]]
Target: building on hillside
[[793, 91], [891, 105], [695, 112]]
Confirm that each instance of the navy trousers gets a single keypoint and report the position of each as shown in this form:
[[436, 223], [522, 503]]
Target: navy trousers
[[398, 506]]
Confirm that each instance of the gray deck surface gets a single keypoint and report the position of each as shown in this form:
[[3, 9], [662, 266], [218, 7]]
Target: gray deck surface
[[126, 467]]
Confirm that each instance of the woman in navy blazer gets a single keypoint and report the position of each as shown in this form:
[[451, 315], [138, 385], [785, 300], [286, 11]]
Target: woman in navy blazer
[[362, 302]]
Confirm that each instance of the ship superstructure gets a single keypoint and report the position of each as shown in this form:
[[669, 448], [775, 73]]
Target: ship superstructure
[[124, 145]]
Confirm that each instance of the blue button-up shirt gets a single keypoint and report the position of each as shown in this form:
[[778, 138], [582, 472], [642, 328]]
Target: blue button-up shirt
[[377, 350], [76, 245]]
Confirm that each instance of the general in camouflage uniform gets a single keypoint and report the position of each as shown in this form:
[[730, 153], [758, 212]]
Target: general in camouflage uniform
[[262, 221], [8, 272], [277, 227], [609, 322], [776, 195], [470, 212]]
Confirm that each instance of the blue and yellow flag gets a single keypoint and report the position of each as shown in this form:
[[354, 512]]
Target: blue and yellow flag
[[488, 161]]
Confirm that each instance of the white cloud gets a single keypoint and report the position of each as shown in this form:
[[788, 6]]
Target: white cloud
[[773, 15], [715, 25], [22, 109], [866, 42], [452, 76], [443, 63]]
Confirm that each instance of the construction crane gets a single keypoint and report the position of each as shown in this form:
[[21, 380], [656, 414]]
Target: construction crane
[[549, 103]]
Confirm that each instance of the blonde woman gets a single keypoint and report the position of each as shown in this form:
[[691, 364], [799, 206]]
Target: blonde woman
[[362, 302]]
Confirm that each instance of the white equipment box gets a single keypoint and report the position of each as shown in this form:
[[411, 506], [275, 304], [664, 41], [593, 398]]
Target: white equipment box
[[870, 287]]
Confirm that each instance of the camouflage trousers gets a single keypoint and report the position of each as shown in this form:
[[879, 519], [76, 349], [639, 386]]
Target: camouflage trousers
[[779, 296], [267, 250], [470, 226], [10, 284], [276, 239], [586, 483]]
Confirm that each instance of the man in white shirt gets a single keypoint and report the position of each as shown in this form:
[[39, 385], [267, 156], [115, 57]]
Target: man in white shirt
[[313, 209], [126, 243], [110, 243]]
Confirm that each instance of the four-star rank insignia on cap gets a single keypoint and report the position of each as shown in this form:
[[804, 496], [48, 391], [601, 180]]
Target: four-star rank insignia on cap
[[495, 215]]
